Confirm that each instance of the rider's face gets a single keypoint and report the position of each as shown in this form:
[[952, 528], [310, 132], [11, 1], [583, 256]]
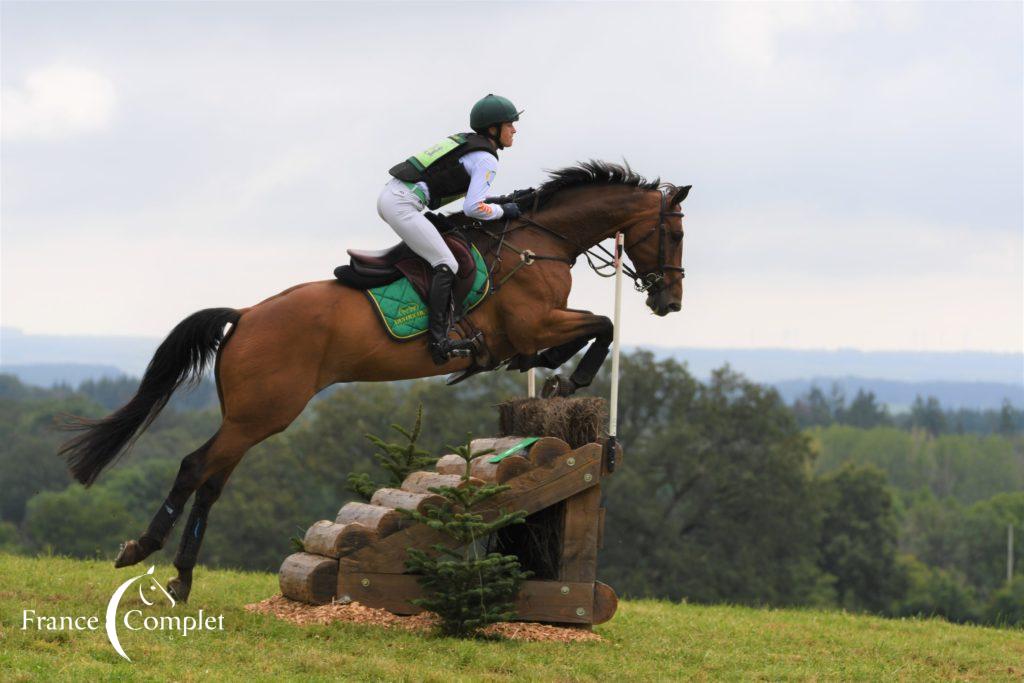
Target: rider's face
[[508, 131]]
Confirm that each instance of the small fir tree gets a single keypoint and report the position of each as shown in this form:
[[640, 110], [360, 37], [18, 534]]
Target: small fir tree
[[466, 590], [399, 460]]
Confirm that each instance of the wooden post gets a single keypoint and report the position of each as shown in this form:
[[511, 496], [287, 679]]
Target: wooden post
[[531, 383], [580, 529]]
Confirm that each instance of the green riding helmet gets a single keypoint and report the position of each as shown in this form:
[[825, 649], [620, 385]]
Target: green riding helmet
[[491, 110]]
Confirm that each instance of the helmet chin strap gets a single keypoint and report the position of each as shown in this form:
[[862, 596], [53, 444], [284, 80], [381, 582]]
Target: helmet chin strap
[[496, 137]]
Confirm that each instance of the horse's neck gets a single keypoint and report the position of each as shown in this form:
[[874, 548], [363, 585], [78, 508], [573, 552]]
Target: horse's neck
[[588, 217]]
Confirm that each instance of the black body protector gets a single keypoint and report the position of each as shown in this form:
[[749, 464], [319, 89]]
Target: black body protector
[[446, 180], [439, 168]]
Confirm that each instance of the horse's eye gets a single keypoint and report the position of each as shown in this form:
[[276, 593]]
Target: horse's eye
[[677, 237]]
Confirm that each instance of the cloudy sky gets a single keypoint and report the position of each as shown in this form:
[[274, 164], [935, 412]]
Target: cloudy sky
[[857, 168]]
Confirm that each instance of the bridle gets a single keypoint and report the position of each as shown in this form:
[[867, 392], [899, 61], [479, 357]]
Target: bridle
[[651, 281], [654, 280]]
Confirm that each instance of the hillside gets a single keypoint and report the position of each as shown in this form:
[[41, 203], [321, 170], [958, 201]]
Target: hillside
[[646, 640]]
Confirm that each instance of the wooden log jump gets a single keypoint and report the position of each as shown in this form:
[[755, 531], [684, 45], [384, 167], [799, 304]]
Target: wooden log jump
[[361, 555]]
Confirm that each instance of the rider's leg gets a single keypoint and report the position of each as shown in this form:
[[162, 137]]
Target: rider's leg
[[400, 208]]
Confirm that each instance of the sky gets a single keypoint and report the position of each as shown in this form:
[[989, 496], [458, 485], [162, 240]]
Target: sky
[[857, 169]]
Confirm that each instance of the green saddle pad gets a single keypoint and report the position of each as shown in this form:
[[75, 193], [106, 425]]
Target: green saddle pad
[[404, 313]]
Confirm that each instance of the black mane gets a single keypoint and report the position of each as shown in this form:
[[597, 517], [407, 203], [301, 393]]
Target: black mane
[[591, 172]]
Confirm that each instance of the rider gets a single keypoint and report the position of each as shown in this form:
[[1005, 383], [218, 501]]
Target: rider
[[460, 165]]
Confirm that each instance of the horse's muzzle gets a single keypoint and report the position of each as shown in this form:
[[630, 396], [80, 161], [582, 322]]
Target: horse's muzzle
[[661, 303]]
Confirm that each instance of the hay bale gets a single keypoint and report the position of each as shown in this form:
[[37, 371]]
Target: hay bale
[[577, 421]]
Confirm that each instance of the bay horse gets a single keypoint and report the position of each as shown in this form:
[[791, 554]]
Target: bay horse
[[277, 354]]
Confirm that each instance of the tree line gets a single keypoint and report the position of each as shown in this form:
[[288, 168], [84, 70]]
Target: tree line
[[818, 409], [726, 493]]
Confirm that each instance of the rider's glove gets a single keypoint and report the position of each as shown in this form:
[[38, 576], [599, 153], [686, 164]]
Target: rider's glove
[[511, 210]]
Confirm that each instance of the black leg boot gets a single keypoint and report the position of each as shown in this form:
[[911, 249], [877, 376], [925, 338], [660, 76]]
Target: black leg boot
[[440, 310]]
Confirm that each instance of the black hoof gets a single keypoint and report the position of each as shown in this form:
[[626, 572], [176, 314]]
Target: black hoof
[[131, 553], [178, 589], [556, 385]]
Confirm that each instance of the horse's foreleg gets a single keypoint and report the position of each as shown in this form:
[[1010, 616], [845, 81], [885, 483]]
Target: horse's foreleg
[[562, 333], [549, 358], [592, 360]]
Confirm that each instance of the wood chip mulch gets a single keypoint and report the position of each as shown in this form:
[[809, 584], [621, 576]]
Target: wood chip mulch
[[302, 614]]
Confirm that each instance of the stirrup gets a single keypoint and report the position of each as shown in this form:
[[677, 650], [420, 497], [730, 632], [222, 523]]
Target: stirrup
[[444, 350]]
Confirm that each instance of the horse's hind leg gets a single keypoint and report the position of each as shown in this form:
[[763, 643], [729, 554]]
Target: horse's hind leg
[[189, 477], [192, 536]]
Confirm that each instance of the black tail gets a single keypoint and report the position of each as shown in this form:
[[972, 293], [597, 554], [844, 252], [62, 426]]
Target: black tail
[[181, 358]]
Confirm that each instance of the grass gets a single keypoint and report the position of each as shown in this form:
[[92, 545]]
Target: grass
[[647, 640]]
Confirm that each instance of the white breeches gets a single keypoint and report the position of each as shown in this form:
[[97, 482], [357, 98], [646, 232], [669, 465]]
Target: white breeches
[[401, 209]]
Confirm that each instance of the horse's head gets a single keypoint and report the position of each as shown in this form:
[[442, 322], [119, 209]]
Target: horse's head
[[654, 243]]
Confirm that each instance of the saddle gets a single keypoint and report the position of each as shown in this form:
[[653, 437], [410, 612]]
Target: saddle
[[373, 268]]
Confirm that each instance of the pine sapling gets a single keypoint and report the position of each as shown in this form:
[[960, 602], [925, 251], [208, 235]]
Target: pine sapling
[[399, 460], [466, 589]]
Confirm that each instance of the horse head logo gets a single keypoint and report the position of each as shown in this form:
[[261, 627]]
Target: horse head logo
[[148, 587]]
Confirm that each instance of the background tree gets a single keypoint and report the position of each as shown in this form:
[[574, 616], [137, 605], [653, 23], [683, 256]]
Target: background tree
[[865, 412], [858, 538], [928, 415]]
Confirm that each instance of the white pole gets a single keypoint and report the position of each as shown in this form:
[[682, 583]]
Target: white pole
[[613, 408], [531, 383]]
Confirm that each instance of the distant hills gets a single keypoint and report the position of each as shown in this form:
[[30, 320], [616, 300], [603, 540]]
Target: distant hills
[[48, 374], [778, 365], [900, 395], [969, 379], [964, 379]]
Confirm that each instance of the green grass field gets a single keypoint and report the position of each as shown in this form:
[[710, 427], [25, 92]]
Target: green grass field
[[647, 640]]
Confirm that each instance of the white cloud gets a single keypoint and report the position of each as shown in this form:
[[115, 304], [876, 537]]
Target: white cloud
[[57, 102]]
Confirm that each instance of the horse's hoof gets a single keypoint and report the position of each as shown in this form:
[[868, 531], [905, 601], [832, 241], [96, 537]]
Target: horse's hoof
[[131, 553], [556, 385], [178, 589]]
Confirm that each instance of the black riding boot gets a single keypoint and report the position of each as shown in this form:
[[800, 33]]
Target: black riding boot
[[440, 311]]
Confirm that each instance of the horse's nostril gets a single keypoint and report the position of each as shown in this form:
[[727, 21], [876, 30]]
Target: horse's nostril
[[675, 307]]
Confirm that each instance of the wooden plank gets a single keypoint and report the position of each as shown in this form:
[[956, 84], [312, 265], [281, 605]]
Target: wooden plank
[[331, 539], [543, 601], [532, 491], [385, 521], [308, 578], [580, 528], [600, 528]]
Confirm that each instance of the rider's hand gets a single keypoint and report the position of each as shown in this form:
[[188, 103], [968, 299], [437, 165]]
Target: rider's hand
[[511, 210]]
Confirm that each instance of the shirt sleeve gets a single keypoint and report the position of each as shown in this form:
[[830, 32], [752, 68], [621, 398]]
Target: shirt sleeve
[[482, 167]]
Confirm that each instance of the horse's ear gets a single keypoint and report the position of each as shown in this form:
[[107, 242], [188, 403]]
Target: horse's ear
[[680, 195]]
